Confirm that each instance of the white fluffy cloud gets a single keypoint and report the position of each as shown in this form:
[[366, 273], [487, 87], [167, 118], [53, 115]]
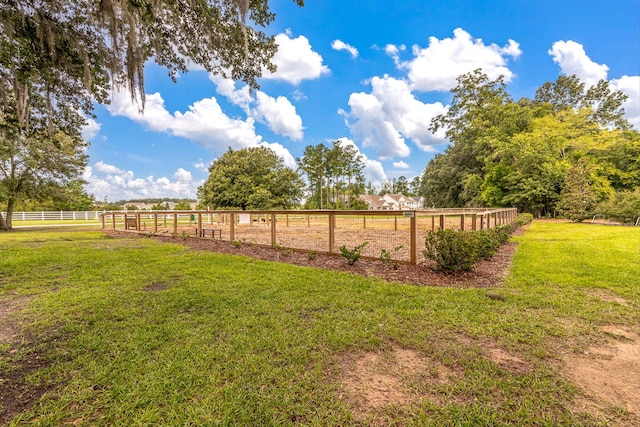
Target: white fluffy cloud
[[390, 114], [631, 86], [436, 67], [340, 45], [108, 180], [572, 59], [296, 60], [279, 115], [401, 165], [90, 129], [394, 52], [203, 123], [227, 88], [373, 169]]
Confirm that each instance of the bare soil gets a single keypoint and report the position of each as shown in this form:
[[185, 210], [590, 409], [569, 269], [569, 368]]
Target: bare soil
[[608, 376], [16, 393]]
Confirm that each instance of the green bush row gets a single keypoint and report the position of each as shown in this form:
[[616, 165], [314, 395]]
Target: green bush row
[[455, 250]]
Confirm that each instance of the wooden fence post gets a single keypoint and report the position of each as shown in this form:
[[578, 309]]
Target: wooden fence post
[[332, 224], [175, 223], [414, 238], [200, 231], [155, 223], [441, 222], [232, 228], [474, 221], [273, 228], [462, 218]]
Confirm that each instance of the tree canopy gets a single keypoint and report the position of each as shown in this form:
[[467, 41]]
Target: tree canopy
[[565, 151], [335, 175], [91, 44], [59, 57], [250, 178]]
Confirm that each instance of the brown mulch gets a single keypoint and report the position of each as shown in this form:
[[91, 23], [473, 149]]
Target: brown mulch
[[488, 273]]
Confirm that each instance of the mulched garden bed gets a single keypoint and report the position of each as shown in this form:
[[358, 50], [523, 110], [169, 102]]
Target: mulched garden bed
[[488, 273]]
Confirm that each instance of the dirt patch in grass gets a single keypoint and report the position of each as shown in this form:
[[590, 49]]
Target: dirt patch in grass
[[608, 376], [157, 286], [9, 328], [505, 359], [16, 393], [372, 382], [607, 296]]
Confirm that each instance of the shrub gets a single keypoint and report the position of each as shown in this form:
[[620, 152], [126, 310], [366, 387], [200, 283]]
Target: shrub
[[460, 251], [352, 255], [487, 242], [452, 250], [522, 219]]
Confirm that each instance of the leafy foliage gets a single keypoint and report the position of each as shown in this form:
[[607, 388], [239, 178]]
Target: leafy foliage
[[352, 255], [39, 160], [335, 175], [387, 257], [549, 155], [624, 207], [250, 178], [454, 250]]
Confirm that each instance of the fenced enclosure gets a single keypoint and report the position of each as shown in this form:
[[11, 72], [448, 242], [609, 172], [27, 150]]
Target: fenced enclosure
[[401, 234]]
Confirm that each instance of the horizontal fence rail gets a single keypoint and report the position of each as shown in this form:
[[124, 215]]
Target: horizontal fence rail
[[400, 234], [54, 215]]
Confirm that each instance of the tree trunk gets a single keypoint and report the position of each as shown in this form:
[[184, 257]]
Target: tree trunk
[[6, 223]]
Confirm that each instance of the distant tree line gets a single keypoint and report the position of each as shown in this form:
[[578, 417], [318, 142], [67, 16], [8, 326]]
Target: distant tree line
[[569, 151]]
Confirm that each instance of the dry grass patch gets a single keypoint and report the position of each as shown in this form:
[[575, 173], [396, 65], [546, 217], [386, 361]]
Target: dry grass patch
[[372, 383], [157, 286], [607, 296], [608, 375], [9, 328]]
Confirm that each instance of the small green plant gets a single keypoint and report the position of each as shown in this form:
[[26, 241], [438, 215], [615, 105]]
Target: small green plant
[[184, 234], [352, 255], [236, 243], [387, 257], [283, 250], [312, 255]]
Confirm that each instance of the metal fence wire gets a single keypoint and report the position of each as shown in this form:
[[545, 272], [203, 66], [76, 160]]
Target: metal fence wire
[[398, 235]]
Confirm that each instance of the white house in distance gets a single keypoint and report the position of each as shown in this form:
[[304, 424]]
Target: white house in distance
[[392, 202]]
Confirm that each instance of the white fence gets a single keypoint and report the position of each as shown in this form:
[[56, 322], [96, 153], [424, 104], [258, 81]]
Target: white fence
[[54, 216]]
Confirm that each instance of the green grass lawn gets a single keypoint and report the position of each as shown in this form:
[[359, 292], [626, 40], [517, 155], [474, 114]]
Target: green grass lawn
[[137, 332]]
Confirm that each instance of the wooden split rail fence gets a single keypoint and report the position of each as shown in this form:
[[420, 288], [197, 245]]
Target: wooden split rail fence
[[399, 234]]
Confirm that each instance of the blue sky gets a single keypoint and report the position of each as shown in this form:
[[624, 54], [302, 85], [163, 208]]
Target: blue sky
[[369, 73]]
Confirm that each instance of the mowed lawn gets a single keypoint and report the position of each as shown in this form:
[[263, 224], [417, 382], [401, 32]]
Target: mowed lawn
[[134, 332]]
